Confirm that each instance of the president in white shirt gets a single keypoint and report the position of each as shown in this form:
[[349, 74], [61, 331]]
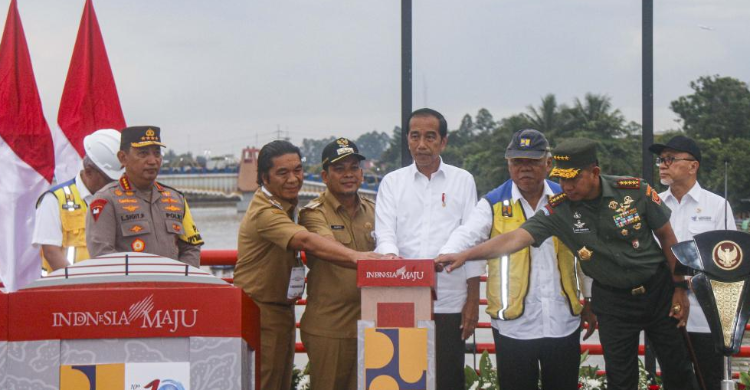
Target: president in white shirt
[[694, 211], [417, 208]]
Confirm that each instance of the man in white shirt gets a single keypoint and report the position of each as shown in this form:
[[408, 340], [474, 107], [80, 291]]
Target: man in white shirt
[[60, 222], [532, 295], [694, 211], [417, 208]]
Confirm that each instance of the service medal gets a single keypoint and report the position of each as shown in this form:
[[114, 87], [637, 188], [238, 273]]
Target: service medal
[[636, 244], [637, 226], [624, 232], [613, 205], [585, 253]]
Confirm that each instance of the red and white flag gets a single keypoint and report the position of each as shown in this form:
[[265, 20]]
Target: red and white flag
[[26, 153], [89, 100]]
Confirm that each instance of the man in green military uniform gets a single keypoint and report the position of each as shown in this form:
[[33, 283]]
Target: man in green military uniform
[[138, 214], [329, 324], [610, 223]]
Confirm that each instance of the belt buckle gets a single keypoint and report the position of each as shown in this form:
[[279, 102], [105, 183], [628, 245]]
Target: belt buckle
[[640, 290]]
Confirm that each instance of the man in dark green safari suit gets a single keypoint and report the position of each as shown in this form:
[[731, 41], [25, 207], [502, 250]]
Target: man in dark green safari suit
[[610, 223]]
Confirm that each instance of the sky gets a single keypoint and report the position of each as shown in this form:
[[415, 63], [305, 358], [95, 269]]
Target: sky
[[221, 75]]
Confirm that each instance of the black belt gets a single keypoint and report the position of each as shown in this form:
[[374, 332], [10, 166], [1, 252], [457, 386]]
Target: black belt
[[640, 289]]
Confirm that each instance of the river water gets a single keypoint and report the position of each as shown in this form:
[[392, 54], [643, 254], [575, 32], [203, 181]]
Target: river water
[[219, 227]]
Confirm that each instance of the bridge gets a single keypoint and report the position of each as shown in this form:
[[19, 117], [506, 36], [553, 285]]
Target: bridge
[[220, 187]]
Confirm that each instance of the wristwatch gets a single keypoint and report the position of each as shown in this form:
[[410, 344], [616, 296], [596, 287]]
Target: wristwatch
[[683, 284]]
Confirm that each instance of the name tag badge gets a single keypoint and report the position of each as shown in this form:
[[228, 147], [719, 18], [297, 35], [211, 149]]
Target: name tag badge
[[296, 283], [337, 227]]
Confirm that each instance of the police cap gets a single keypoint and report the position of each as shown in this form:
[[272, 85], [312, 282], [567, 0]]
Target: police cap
[[140, 136], [339, 149]]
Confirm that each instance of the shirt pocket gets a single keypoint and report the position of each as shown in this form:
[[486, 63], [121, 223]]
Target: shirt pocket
[[698, 227], [73, 220], [342, 236], [174, 227], [135, 228]]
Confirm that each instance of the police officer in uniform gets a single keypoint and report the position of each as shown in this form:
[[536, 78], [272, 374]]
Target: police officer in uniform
[[59, 227], [610, 223], [329, 324], [138, 214], [269, 268]]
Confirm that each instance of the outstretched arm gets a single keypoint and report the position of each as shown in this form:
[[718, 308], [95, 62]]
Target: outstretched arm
[[503, 244]]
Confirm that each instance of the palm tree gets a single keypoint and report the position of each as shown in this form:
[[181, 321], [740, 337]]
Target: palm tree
[[547, 118]]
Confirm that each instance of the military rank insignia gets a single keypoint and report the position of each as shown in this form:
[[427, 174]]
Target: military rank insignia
[[629, 184], [557, 199]]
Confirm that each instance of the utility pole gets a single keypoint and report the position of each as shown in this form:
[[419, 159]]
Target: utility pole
[[406, 76]]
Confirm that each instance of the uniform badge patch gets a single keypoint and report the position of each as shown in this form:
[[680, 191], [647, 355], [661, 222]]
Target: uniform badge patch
[[138, 245], [176, 227], [126, 200], [172, 208], [136, 228], [96, 208], [170, 200], [131, 208], [585, 253]]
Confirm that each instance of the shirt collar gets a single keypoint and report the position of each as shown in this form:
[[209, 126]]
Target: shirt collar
[[277, 202], [606, 187], [694, 193], [415, 171], [83, 191], [335, 204], [515, 193]]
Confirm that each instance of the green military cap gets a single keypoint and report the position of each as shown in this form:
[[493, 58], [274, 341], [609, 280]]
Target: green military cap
[[571, 156], [140, 136]]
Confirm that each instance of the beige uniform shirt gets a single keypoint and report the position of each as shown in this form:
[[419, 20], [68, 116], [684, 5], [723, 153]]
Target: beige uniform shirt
[[122, 218], [264, 263], [333, 299]]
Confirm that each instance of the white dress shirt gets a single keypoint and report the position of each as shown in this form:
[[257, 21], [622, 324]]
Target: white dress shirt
[[699, 211], [47, 224], [546, 309], [415, 215]]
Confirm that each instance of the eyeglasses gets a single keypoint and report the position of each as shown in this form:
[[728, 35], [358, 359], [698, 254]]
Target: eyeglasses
[[669, 160]]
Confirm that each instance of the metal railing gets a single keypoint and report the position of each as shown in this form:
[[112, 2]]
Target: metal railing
[[228, 257]]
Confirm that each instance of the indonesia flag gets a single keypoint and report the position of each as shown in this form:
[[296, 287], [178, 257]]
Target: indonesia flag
[[89, 100], [26, 153]]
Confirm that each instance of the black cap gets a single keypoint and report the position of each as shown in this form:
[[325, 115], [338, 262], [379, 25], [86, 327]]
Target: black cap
[[339, 149], [528, 143], [679, 143], [571, 156], [140, 136]]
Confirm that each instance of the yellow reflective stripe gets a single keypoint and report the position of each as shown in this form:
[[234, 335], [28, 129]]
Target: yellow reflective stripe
[[504, 283], [68, 197]]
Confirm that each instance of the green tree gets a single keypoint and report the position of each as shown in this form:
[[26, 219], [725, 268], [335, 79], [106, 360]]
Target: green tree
[[719, 108], [594, 117], [548, 118], [390, 160], [312, 149], [373, 144]]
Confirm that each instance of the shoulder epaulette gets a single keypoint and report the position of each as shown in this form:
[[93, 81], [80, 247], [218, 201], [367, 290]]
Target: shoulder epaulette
[[313, 204], [557, 199], [630, 183], [163, 187], [368, 200]]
